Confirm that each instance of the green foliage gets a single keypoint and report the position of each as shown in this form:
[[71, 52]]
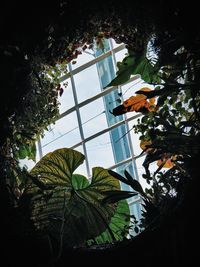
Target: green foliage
[[135, 64], [38, 109], [128, 180], [26, 151], [119, 225], [67, 206], [172, 128]]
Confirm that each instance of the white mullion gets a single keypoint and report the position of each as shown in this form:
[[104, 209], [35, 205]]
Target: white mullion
[[91, 99], [100, 132], [79, 120], [134, 201], [126, 122], [90, 63], [106, 130], [126, 161], [40, 148], [131, 148]]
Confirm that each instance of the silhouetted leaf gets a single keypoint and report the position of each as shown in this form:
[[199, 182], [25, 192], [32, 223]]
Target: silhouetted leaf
[[61, 91], [161, 100], [134, 183], [118, 177], [115, 196], [136, 229]]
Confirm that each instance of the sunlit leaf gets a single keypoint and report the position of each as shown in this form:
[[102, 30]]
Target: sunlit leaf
[[137, 103], [134, 183], [118, 225], [144, 145], [124, 72], [132, 65], [73, 208], [32, 149]]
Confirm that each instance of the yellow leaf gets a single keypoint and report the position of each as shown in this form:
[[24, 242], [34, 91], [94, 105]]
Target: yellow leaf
[[144, 144]]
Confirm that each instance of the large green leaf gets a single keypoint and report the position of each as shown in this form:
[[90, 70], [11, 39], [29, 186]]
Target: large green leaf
[[57, 167], [149, 73], [132, 65], [68, 207], [119, 225], [124, 72]]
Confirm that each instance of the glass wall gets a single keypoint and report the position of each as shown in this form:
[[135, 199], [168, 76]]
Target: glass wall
[[86, 123]]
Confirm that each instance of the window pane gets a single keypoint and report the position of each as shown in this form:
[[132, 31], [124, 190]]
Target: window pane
[[67, 99], [93, 117], [100, 152], [82, 168], [135, 209], [106, 70], [134, 137], [120, 143], [121, 55], [27, 163], [111, 101], [99, 50], [130, 88], [64, 133], [141, 171], [114, 43], [130, 168], [87, 83]]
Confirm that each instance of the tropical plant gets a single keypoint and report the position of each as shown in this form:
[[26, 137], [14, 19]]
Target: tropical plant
[[170, 124], [68, 207], [151, 209], [136, 63], [138, 103]]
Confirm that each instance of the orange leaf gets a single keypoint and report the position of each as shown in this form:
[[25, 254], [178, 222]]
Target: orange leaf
[[144, 144], [168, 162], [152, 101], [135, 103], [138, 102]]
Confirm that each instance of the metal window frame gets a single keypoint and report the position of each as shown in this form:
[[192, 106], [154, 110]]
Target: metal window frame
[[91, 62], [107, 130], [77, 107], [126, 120], [97, 96], [79, 120]]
